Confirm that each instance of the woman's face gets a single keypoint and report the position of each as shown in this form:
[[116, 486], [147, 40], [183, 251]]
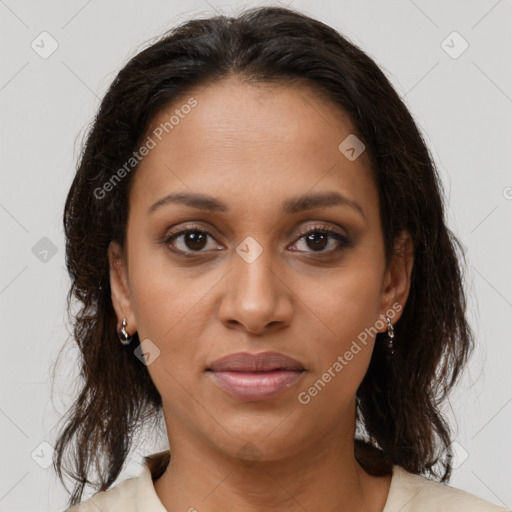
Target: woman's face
[[244, 160]]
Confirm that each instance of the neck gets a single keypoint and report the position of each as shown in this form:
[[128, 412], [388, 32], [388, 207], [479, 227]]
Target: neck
[[321, 476]]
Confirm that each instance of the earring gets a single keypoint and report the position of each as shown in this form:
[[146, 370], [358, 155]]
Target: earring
[[124, 337], [391, 334]]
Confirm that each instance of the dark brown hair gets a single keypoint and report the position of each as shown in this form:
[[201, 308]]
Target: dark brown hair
[[398, 400]]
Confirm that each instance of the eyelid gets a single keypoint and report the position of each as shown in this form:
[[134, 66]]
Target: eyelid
[[319, 227]]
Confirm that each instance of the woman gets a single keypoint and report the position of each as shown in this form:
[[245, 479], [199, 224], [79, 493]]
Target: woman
[[256, 237]]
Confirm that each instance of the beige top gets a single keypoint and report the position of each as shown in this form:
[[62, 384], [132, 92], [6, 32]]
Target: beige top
[[407, 493]]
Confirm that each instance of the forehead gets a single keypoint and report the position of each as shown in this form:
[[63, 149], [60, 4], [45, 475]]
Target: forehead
[[258, 112], [251, 141]]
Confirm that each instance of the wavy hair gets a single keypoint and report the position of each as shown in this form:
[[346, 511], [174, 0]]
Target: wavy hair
[[398, 401]]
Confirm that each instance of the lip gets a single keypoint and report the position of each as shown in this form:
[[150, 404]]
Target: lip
[[255, 377], [247, 362]]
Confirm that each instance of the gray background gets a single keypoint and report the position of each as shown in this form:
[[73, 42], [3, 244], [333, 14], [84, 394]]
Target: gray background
[[463, 106]]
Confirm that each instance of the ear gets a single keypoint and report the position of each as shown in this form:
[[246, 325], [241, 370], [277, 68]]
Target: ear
[[119, 286], [397, 279]]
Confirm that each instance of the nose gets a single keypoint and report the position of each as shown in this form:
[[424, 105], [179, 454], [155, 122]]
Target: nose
[[256, 299]]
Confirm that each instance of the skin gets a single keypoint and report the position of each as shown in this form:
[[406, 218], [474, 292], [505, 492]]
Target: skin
[[253, 147]]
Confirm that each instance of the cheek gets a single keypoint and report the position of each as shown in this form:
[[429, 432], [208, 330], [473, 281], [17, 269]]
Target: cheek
[[158, 303], [346, 311], [171, 307], [162, 294], [348, 301], [169, 317]]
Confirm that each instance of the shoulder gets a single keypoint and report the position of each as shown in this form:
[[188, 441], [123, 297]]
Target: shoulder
[[120, 498], [135, 494], [415, 493]]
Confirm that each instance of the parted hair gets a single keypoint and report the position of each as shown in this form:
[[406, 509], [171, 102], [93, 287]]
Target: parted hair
[[399, 399]]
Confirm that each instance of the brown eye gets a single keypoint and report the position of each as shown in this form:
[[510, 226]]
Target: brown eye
[[318, 239], [195, 240], [189, 240]]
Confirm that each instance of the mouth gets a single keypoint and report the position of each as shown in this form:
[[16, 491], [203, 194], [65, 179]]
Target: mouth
[[255, 377]]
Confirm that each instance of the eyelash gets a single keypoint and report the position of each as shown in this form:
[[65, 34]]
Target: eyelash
[[343, 240]]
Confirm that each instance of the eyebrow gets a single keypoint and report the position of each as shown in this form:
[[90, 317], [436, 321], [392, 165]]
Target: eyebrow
[[290, 206]]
